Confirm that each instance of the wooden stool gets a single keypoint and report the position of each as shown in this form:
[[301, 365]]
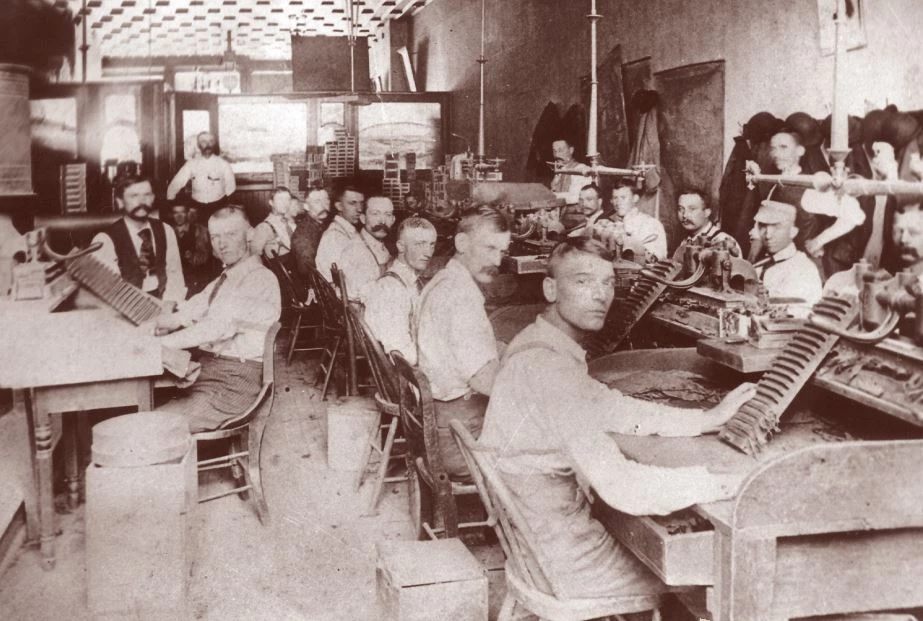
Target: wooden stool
[[423, 580]]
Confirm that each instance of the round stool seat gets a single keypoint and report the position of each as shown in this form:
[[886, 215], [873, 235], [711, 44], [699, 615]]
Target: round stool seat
[[141, 439]]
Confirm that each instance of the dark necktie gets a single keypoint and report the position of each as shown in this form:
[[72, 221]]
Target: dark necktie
[[419, 286], [146, 253], [214, 293]]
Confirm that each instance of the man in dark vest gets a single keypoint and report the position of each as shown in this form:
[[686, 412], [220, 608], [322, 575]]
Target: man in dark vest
[[143, 250]]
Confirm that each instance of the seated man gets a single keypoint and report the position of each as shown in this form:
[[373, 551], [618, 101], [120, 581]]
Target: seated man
[[543, 399], [365, 260], [195, 250], [455, 341], [306, 238], [568, 186], [643, 229], [788, 272], [392, 302], [695, 216], [273, 236], [591, 207], [342, 230], [227, 321]]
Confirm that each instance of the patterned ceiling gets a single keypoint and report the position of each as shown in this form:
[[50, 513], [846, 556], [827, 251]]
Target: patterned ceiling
[[259, 28]]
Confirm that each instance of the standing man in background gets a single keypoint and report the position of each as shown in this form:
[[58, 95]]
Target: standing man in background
[[211, 176], [568, 186]]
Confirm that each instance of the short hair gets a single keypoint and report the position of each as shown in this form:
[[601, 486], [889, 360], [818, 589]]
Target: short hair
[[629, 183], [794, 133], [564, 139], [126, 181], [280, 189], [572, 245], [697, 192], [343, 189], [231, 211], [414, 223], [205, 133], [482, 215], [591, 186]]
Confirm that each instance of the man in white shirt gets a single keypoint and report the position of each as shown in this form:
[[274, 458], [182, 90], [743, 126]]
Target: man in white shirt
[[695, 216], [787, 272], [364, 260], [544, 404], [227, 322], [342, 229], [142, 249], [640, 228], [273, 236], [392, 302], [568, 186], [211, 176], [455, 340]]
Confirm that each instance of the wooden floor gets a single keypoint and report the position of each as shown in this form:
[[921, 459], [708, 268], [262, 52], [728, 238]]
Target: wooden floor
[[315, 561]]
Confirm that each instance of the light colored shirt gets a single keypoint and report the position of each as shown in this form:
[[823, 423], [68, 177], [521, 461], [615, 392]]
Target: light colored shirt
[[454, 336], [642, 226], [791, 274], [235, 322], [212, 179], [544, 405], [362, 262], [275, 233], [391, 306], [332, 242], [175, 288], [568, 186]]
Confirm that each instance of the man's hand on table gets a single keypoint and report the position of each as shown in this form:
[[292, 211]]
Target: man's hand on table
[[718, 415]]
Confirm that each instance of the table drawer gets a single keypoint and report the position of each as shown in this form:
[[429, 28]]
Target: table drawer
[[678, 548]]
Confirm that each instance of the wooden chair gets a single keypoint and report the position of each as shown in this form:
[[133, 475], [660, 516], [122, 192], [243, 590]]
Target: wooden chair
[[246, 430], [354, 354], [527, 584], [333, 329], [432, 493], [306, 323], [386, 435]]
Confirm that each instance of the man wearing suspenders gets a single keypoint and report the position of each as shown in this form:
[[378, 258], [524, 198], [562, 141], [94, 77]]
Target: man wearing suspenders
[[392, 302], [366, 258]]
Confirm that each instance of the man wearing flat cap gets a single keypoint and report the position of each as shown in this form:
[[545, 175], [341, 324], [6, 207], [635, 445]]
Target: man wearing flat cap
[[787, 272]]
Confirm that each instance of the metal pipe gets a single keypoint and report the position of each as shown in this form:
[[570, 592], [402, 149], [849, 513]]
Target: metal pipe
[[839, 139], [482, 60], [591, 148]]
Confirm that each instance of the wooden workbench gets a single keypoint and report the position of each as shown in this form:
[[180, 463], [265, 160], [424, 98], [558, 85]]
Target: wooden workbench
[[70, 362]]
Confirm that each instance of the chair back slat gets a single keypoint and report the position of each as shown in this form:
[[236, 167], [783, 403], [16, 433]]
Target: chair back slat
[[383, 371], [339, 282], [511, 527], [329, 302]]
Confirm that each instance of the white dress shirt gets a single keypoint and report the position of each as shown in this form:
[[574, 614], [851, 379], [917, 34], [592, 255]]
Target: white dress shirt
[[212, 179], [235, 322], [642, 226], [337, 236], [362, 262], [175, 289], [391, 306], [791, 274], [454, 336]]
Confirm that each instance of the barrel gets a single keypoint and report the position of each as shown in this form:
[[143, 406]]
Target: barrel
[[16, 146], [141, 439]]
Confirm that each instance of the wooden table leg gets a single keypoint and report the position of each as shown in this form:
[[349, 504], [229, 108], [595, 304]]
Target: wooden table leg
[[43, 449], [71, 458]]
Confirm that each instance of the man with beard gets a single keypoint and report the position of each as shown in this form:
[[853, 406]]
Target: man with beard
[[226, 323], [455, 340], [366, 259], [695, 217], [342, 230], [194, 249], [307, 235], [392, 302], [545, 406], [211, 176], [568, 186], [142, 249]]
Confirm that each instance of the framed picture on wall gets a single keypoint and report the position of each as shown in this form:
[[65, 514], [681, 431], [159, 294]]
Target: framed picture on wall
[[251, 131], [855, 25]]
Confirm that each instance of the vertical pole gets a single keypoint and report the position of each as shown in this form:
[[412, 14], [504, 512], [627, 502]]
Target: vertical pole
[[839, 127], [352, 47], [84, 48], [591, 147], [482, 60]]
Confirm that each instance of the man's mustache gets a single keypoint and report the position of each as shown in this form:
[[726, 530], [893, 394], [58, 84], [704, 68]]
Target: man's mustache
[[381, 227]]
